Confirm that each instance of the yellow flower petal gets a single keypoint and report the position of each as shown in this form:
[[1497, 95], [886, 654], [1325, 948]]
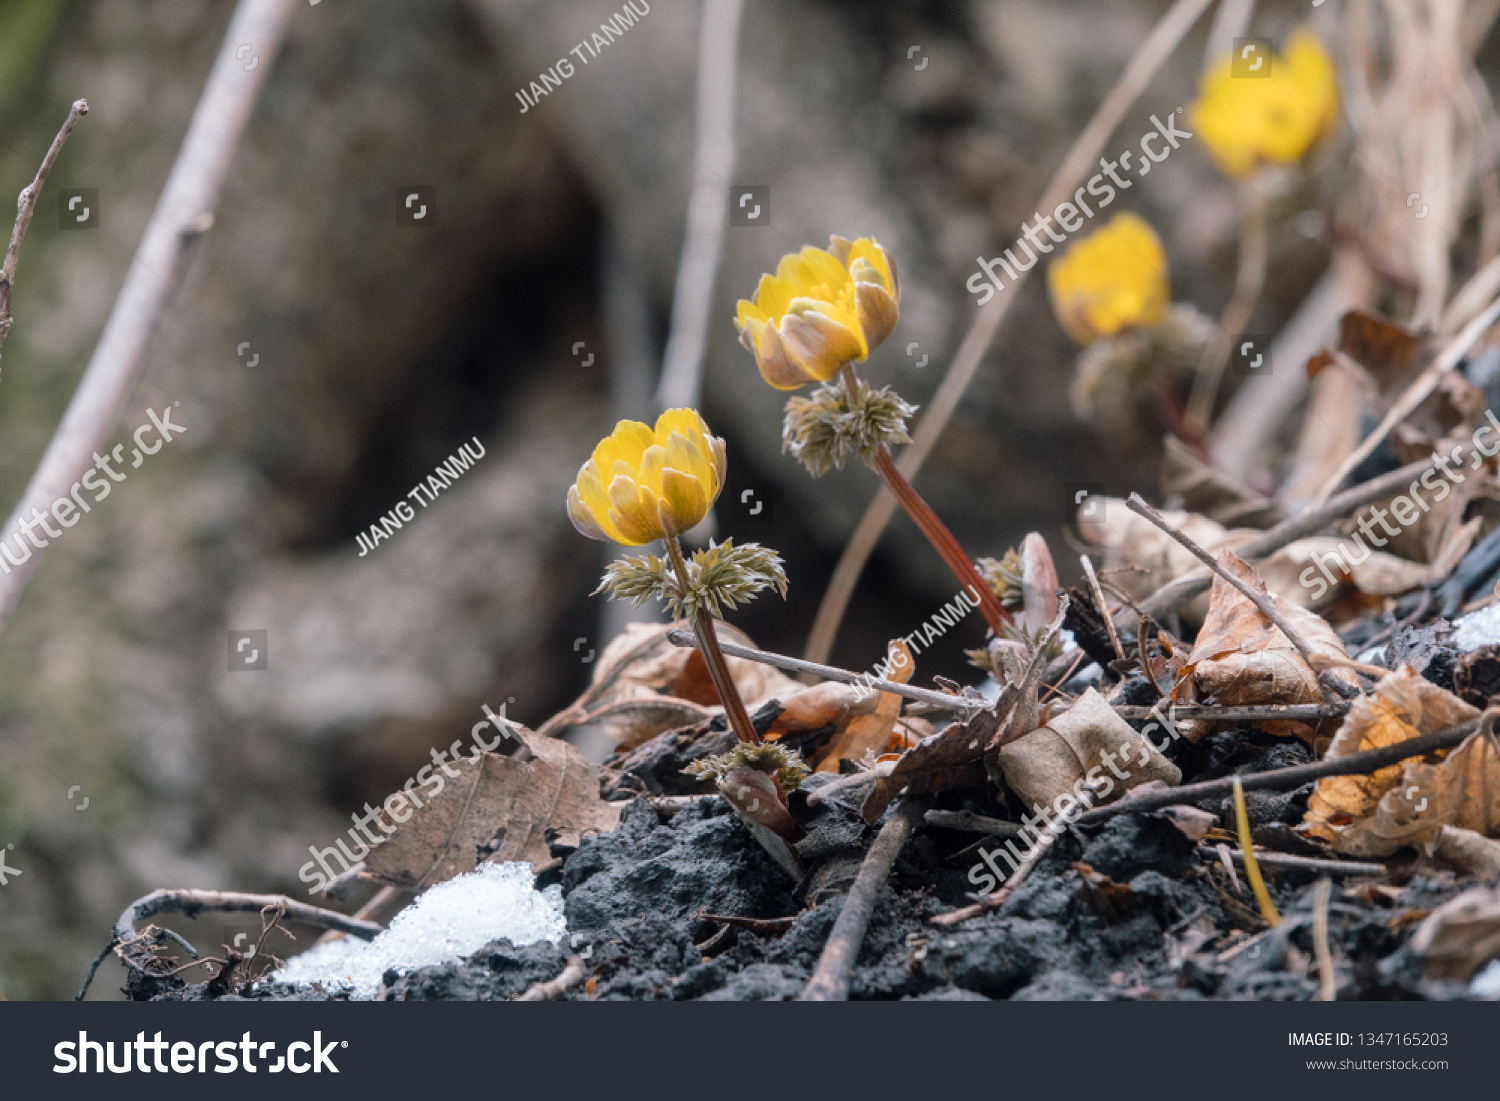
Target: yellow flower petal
[[634, 514], [820, 345], [1115, 278], [877, 312], [662, 480], [822, 309], [1246, 121], [683, 501], [775, 363], [582, 516]]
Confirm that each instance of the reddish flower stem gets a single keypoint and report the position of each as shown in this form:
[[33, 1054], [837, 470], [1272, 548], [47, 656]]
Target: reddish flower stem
[[713, 657], [935, 530], [941, 538]]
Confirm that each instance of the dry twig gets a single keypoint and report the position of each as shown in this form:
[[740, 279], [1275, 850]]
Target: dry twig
[[1109, 622], [1327, 987], [679, 637], [553, 989], [25, 208], [830, 981], [1327, 683], [1284, 779], [183, 214]]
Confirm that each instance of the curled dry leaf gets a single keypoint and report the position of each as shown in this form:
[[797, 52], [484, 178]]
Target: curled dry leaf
[[871, 731], [1086, 745], [820, 705], [1462, 790], [1468, 852], [1038, 585], [1460, 936], [642, 714], [948, 759], [1403, 706], [1242, 659], [494, 798]]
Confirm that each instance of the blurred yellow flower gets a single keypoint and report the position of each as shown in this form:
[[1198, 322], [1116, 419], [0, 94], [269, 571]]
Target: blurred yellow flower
[[643, 483], [821, 310], [1248, 121], [1113, 279]]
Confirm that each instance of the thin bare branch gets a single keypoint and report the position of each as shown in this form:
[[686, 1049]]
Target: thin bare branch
[[830, 980], [1285, 779], [194, 903], [1109, 622], [1260, 599], [708, 206], [183, 214], [25, 208], [678, 637]]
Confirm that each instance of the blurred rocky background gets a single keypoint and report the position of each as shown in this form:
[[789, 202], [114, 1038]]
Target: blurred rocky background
[[325, 357]]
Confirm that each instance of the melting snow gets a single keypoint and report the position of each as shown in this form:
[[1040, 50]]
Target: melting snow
[[451, 920], [1481, 628]]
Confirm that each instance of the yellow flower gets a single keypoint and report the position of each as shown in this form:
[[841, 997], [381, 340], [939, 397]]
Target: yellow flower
[[1248, 121], [643, 483], [1113, 279], [821, 310]]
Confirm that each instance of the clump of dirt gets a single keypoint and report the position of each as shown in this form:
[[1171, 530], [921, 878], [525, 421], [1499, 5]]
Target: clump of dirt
[[1118, 911]]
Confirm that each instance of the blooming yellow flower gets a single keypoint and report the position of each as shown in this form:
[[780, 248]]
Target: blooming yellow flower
[[821, 310], [1248, 121], [643, 483], [1113, 279]]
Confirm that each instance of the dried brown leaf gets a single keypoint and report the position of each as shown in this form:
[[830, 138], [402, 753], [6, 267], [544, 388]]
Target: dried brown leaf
[[871, 732], [948, 759], [1403, 706], [1087, 743], [1462, 790], [1241, 658], [1460, 936], [644, 714], [495, 798]]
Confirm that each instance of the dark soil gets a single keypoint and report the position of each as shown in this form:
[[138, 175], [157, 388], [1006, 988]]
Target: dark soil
[[1130, 909]]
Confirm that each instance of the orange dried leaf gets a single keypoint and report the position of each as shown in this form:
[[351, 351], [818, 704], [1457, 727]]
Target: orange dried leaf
[[871, 732]]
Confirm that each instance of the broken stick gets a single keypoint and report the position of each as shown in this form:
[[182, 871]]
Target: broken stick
[[830, 981]]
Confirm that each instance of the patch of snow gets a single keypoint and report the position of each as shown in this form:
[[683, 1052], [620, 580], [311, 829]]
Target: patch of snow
[[1375, 655], [1486, 984], [449, 921], [1481, 628]]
